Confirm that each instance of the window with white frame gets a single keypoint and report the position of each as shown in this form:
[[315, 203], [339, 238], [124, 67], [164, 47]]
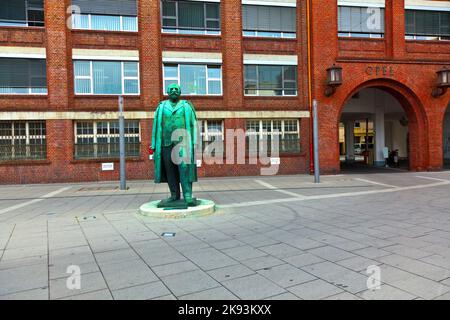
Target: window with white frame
[[107, 15], [270, 80], [286, 130], [22, 140], [26, 13], [190, 17], [361, 22], [269, 21], [106, 77], [211, 131], [194, 79], [23, 76], [96, 140]]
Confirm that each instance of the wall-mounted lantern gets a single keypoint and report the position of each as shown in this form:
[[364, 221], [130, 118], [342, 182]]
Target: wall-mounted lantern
[[334, 79], [443, 82]]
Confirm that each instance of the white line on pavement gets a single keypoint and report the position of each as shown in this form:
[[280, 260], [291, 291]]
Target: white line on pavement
[[271, 187], [334, 195], [423, 177], [376, 183], [24, 204]]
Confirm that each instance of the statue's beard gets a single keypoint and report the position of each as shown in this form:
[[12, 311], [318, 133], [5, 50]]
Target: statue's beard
[[174, 97]]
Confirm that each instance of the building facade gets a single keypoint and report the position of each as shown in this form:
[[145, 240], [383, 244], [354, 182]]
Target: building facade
[[252, 66], [243, 64], [390, 52]]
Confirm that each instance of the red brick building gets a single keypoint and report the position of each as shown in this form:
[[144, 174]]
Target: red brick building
[[243, 64], [134, 48], [388, 76]]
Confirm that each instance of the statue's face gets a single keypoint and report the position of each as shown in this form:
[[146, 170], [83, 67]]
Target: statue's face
[[174, 91]]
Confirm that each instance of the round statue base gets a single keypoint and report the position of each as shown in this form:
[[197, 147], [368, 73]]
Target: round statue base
[[205, 207]]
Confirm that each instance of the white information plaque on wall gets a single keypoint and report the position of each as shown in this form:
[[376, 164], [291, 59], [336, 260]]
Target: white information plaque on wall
[[108, 166]]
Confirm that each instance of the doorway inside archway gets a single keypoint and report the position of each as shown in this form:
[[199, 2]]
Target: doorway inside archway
[[446, 137], [373, 132]]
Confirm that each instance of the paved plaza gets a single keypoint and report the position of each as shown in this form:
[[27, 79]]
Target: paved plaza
[[278, 237]]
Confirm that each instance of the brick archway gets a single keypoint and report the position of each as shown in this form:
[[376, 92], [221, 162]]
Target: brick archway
[[414, 110]]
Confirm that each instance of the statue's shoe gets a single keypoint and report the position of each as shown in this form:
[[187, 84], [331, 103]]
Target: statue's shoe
[[168, 200], [190, 202]]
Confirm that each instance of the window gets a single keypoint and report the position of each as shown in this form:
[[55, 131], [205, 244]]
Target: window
[[97, 140], [22, 13], [22, 140], [23, 76], [270, 80], [106, 77], [269, 21], [191, 17], [362, 22], [211, 130], [194, 79], [287, 131], [107, 15], [357, 124], [427, 25]]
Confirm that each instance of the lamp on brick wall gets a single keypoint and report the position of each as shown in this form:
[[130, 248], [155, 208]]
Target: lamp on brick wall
[[443, 83], [334, 79]]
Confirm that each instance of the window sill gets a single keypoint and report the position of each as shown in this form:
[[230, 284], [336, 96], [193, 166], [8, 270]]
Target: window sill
[[174, 35], [362, 38], [106, 31], [102, 96], [23, 95], [271, 97], [428, 41], [23, 28], [24, 162], [259, 38], [115, 160], [195, 96]]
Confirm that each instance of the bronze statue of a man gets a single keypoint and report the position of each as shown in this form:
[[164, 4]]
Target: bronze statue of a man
[[174, 138]]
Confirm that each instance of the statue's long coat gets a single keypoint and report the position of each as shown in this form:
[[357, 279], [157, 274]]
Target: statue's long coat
[[191, 127]]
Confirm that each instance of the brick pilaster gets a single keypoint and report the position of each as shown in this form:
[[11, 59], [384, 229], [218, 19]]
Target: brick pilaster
[[150, 55], [59, 53], [395, 28], [233, 78]]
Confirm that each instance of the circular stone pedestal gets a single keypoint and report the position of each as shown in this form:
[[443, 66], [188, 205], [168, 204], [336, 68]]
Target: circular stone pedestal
[[151, 209]]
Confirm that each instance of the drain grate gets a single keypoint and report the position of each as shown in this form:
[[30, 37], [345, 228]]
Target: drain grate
[[168, 234]]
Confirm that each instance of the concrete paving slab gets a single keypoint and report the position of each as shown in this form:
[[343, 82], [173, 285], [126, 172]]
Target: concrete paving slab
[[210, 258], [142, 292], [314, 290], [126, 273], [189, 282], [262, 262], [174, 268], [96, 295], [219, 293], [89, 283], [230, 272], [253, 287], [23, 278], [386, 292], [286, 275]]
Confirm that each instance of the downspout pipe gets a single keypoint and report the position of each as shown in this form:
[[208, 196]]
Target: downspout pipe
[[310, 98]]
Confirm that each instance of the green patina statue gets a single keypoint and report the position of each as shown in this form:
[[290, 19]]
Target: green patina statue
[[174, 139]]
